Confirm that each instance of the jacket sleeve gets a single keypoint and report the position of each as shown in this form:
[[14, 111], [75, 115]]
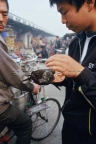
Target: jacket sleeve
[[67, 83], [12, 74], [87, 86]]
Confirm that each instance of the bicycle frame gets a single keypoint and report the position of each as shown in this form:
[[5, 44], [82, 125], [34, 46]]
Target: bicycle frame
[[30, 102], [36, 106]]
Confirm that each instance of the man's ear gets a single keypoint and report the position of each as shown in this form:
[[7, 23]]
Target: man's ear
[[90, 4]]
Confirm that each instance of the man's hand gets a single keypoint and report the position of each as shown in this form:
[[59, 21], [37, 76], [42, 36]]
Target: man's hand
[[40, 55], [36, 89], [58, 77], [65, 64]]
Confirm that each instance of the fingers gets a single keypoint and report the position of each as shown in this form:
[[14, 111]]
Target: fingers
[[58, 60], [58, 73], [37, 88], [55, 58], [58, 77], [57, 68]]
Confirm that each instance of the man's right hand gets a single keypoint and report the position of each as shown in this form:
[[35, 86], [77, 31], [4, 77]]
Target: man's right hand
[[36, 88]]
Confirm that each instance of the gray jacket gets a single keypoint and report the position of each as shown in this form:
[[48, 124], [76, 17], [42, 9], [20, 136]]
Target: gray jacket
[[10, 75]]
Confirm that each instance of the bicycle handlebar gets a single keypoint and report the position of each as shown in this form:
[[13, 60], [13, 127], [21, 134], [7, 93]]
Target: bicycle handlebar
[[31, 60]]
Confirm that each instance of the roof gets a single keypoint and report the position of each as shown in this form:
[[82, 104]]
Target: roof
[[22, 26], [68, 35]]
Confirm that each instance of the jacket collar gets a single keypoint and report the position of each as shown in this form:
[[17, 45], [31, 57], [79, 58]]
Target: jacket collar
[[4, 47], [82, 34], [2, 40], [92, 34]]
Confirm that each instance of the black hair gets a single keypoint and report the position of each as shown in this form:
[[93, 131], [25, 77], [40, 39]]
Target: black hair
[[77, 3], [6, 1], [57, 36]]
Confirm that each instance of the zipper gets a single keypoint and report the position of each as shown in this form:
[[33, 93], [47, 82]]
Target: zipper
[[65, 105], [80, 51], [74, 83], [80, 90], [79, 48], [89, 122]]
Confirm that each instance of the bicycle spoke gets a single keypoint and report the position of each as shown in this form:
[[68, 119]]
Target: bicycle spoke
[[46, 120]]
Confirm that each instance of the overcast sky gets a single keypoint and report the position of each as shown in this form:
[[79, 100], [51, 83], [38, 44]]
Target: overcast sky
[[40, 13]]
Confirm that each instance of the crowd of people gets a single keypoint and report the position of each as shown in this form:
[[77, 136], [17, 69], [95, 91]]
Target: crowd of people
[[45, 48]]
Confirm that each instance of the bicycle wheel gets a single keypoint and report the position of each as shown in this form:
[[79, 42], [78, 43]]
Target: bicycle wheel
[[44, 122]]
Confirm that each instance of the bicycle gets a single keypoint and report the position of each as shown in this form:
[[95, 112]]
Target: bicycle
[[39, 110], [27, 65]]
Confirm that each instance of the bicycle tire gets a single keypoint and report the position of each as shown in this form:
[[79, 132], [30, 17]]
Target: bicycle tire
[[35, 136]]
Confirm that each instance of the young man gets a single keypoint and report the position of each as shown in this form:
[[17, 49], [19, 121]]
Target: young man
[[11, 75], [57, 44], [79, 70]]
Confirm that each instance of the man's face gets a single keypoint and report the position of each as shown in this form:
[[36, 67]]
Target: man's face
[[56, 38], [41, 49], [3, 15], [74, 20]]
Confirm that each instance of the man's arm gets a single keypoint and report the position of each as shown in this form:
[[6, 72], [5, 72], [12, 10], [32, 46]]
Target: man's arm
[[87, 86], [12, 74]]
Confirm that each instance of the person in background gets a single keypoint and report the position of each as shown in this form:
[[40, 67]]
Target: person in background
[[57, 43], [43, 52], [44, 41], [34, 44], [41, 42]]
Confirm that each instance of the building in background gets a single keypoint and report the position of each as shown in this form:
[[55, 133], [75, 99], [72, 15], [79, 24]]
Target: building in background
[[19, 32]]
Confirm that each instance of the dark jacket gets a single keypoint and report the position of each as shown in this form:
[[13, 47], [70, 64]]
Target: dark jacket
[[80, 100], [57, 44], [44, 53]]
